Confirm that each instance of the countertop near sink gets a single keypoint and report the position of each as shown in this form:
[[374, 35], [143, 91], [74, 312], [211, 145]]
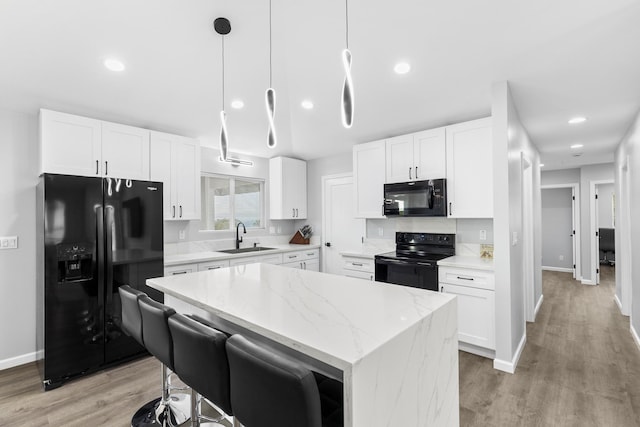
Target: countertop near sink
[[371, 248], [194, 257], [467, 262]]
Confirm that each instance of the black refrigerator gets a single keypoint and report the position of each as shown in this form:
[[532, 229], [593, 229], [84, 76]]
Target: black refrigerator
[[94, 235]]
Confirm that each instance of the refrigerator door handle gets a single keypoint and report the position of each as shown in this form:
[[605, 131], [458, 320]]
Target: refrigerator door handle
[[108, 251], [100, 250]]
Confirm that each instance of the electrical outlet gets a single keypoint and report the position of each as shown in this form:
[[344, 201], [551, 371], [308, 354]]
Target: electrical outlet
[[380, 231], [561, 257], [483, 234], [10, 242], [279, 229], [181, 235]]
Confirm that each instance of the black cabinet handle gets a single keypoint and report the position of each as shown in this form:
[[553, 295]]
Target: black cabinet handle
[[97, 166], [357, 264], [410, 173], [465, 278], [441, 288], [450, 210], [174, 211], [213, 268], [180, 211], [328, 244], [175, 273], [106, 168], [416, 172], [293, 212]]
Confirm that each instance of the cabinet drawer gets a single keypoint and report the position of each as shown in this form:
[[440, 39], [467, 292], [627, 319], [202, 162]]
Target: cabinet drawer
[[300, 255], [467, 277], [359, 274], [180, 269], [358, 264], [244, 260], [213, 265], [271, 259]]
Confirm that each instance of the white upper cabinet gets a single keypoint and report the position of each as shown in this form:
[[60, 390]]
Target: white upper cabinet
[[470, 169], [125, 151], [75, 145], [70, 144], [416, 156], [368, 179], [175, 161], [400, 158], [429, 154], [287, 188]]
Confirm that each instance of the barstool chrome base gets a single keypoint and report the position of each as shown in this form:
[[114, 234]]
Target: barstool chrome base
[[155, 413]]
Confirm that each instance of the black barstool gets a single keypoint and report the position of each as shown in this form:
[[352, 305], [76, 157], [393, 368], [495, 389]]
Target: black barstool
[[270, 390], [200, 360], [173, 408], [132, 326]]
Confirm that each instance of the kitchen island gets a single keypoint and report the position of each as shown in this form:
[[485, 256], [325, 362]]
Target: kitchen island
[[394, 347]]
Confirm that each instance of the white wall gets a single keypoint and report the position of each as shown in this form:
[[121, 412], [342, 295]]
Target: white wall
[[557, 218], [19, 176], [510, 139], [627, 157]]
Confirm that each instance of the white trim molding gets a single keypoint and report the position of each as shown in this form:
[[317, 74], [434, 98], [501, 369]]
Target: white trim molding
[[618, 303], [588, 282], [17, 360], [560, 269], [636, 338], [538, 305], [510, 366]]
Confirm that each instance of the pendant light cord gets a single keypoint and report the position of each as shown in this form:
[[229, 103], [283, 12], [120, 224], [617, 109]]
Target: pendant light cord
[[346, 14], [222, 73], [270, 49]]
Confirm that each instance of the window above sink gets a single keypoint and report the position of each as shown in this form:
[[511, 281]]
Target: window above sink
[[229, 199]]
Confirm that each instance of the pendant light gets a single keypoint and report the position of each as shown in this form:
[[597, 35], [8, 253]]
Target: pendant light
[[270, 96], [223, 27], [347, 87]]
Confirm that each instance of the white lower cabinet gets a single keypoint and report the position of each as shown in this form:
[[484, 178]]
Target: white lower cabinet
[[476, 307], [303, 260], [358, 267]]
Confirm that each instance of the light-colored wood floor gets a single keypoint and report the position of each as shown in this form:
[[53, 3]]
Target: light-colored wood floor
[[580, 367]]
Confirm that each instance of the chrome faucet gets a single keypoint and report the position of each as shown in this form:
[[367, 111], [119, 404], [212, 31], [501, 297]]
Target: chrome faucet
[[238, 237]]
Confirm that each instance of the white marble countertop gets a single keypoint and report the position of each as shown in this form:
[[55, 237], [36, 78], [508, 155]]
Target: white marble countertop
[[368, 253], [371, 248], [463, 261], [335, 319], [189, 258]]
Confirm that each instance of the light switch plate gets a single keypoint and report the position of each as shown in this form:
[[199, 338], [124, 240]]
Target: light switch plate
[[181, 234], [10, 242], [483, 234]]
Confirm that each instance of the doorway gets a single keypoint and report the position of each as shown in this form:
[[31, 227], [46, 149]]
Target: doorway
[[340, 230], [561, 228], [602, 209]]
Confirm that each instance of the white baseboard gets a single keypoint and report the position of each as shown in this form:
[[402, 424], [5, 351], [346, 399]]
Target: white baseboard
[[510, 366], [537, 309], [17, 360], [618, 303], [588, 282], [560, 269], [478, 351], [636, 338]]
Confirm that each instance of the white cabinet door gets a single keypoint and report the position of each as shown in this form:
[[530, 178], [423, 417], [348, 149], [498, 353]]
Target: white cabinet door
[[369, 178], [160, 170], [470, 169], [476, 314], [287, 188], [360, 275], [244, 261], [125, 151], [429, 154], [175, 160], [275, 259], [185, 176], [312, 264], [70, 144], [296, 264], [399, 159]]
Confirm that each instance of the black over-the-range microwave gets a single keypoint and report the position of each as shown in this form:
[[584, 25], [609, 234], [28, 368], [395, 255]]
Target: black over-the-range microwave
[[416, 198]]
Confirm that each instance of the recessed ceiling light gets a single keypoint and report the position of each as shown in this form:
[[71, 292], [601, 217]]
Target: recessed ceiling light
[[307, 105], [577, 146], [237, 104], [114, 64], [576, 120], [402, 68]]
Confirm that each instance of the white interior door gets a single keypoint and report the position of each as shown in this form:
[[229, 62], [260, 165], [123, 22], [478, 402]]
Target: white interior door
[[341, 231], [596, 255], [573, 229]]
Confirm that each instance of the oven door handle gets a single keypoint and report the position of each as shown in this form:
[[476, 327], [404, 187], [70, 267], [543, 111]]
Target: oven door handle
[[426, 264], [391, 261]]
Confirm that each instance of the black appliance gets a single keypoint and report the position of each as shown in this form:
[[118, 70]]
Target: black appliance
[[415, 260], [416, 198], [94, 235]]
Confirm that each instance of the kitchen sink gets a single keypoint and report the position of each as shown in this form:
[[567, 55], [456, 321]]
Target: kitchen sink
[[244, 250]]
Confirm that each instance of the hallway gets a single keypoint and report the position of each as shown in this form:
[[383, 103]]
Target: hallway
[[580, 366]]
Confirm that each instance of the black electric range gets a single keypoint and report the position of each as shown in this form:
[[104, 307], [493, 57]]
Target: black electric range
[[415, 260]]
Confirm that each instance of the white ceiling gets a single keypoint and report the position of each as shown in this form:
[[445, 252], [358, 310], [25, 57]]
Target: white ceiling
[[562, 58]]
